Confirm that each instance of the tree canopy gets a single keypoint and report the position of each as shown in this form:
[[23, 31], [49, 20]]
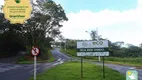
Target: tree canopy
[[42, 28]]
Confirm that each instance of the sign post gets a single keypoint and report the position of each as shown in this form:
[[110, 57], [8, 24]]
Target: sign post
[[81, 68], [92, 48], [103, 68], [35, 52], [34, 67]]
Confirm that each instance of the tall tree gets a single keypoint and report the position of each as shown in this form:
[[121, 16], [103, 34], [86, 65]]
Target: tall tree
[[10, 37], [93, 34], [45, 20], [45, 23]]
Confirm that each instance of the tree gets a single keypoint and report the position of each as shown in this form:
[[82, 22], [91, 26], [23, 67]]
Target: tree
[[45, 23], [61, 38], [119, 43], [70, 43], [45, 20], [10, 37], [42, 27], [116, 50], [93, 34], [140, 45]]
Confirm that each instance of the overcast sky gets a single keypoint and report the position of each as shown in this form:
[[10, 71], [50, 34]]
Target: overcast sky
[[116, 20]]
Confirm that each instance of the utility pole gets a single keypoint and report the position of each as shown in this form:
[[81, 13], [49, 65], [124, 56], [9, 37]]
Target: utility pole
[[65, 44], [60, 45], [98, 40], [0, 8]]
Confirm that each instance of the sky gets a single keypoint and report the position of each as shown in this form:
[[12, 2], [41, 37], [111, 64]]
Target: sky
[[116, 20]]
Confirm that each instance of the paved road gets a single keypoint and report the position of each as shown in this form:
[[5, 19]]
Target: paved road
[[58, 55], [10, 71], [121, 69]]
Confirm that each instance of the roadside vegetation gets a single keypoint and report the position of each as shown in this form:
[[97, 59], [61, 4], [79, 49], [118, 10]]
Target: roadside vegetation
[[119, 52], [40, 30], [29, 59], [70, 52], [71, 71], [131, 61]]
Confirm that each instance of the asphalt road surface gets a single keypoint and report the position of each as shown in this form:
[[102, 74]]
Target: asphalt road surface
[[10, 71], [122, 69], [58, 55]]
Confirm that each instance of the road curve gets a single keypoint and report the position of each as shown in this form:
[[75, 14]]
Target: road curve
[[10, 71], [60, 56]]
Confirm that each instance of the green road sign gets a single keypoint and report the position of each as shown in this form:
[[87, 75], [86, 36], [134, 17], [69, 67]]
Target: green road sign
[[131, 75], [92, 49]]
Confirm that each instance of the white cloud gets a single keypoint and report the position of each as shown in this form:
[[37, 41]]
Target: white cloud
[[139, 3], [1, 2], [115, 25]]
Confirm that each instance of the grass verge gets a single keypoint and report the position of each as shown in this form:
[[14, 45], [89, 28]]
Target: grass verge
[[71, 71], [69, 52]]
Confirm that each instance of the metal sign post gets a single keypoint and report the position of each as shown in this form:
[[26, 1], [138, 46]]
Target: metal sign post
[[34, 67], [103, 68], [81, 68], [35, 52], [92, 48]]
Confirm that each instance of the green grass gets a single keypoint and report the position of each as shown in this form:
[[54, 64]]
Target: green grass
[[71, 71], [114, 60], [22, 59], [70, 52], [31, 62]]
